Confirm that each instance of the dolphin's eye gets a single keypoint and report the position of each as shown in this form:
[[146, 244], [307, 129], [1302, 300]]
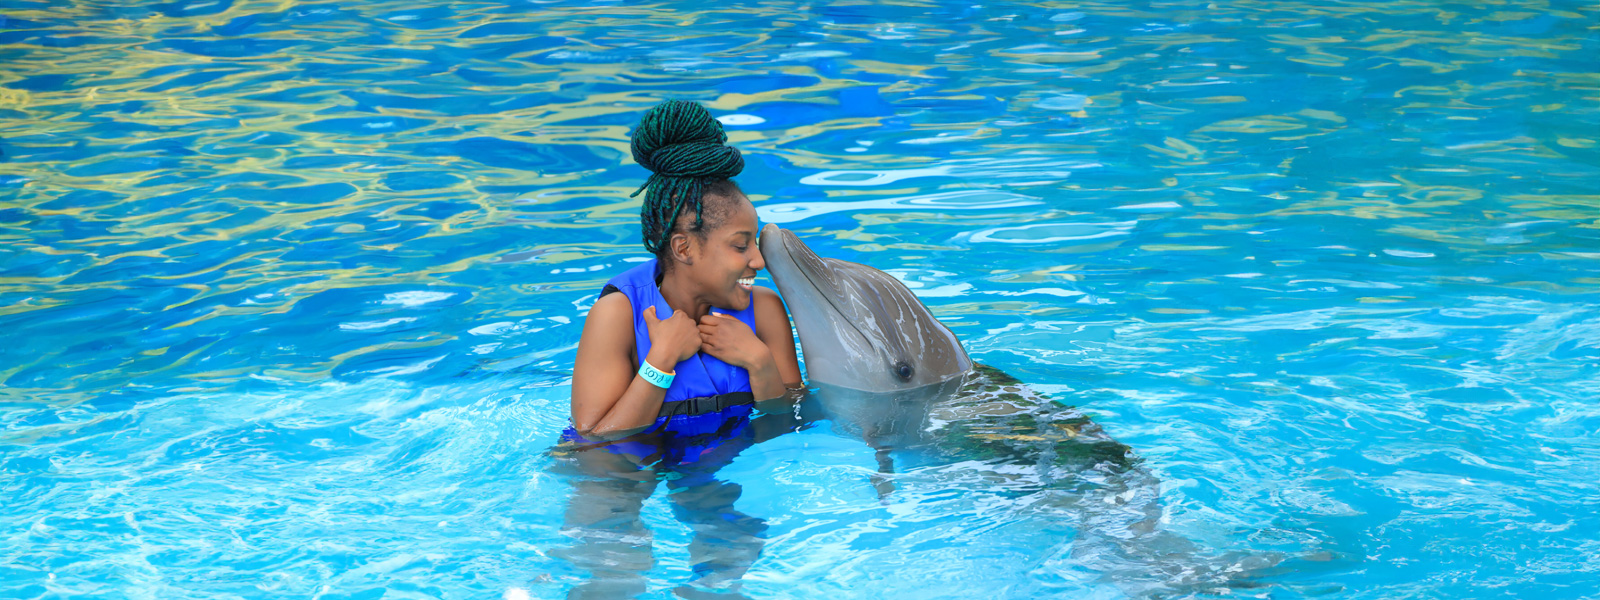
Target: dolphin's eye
[[903, 371]]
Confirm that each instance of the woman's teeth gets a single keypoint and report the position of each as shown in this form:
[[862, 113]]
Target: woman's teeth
[[747, 281]]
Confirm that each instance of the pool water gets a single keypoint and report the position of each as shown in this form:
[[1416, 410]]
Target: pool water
[[290, 290]]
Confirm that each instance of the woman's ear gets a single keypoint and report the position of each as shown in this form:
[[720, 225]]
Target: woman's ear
[[682, 248]]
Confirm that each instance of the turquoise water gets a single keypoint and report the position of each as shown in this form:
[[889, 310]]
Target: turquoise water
[[290, 290]]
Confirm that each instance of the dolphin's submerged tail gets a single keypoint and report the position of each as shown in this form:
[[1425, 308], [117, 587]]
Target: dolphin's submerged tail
[[1058, 464]]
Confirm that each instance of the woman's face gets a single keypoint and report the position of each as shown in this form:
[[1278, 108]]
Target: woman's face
[[725, 266]]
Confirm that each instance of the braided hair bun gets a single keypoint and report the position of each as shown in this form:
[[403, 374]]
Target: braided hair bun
[[685, 150]]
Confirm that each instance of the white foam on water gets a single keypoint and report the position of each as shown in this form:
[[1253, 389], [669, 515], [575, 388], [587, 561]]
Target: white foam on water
[[1063, 102], [870, 178], [1053, 233], [912, 278], [492, 328], [741, 119], [1151, 206], [985, 168], [410, 369], [414, 299], [371, 325], [1407, 253], [1365, 285], [957, 200], [811, 54], [1046, 291], [945, 138]]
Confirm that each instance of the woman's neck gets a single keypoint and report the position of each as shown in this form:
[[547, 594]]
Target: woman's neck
[[675, 289]]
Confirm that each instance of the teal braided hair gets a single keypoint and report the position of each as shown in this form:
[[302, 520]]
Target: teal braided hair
[[685, 150]]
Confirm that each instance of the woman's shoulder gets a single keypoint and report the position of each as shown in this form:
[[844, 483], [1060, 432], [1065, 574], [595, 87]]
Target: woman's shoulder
[[611, 306], [766, 295], [767, 303], [608, 327]]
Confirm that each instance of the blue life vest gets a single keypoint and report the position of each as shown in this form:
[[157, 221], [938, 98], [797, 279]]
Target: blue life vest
[[699, 376], [709, 403]]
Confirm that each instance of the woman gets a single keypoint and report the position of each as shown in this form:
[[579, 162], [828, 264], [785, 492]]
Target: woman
[[673, 356]]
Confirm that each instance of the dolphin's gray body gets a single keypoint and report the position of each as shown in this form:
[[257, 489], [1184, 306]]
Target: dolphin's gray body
[[884, 366], [885, 369], [845, 309]]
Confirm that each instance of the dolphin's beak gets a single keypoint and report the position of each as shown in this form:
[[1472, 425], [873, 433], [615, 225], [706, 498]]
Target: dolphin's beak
[[773, 250], [778, 249], [769, 237], [793, 266]]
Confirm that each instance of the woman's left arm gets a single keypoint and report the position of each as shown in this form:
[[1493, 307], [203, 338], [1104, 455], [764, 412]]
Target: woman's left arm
[[772, 326]]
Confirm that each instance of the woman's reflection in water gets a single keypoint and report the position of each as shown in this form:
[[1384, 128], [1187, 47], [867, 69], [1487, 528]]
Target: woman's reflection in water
[[611, 481]]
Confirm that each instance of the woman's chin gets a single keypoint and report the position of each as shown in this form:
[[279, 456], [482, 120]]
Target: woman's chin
[[741, 299]]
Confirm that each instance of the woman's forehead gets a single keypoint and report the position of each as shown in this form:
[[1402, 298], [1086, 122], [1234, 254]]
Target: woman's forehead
[[742, 217]]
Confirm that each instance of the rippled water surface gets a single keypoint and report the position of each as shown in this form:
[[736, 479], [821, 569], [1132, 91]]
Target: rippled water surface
[[290, 290]]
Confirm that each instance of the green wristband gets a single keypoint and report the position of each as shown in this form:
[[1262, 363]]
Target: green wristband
[[655, 376]]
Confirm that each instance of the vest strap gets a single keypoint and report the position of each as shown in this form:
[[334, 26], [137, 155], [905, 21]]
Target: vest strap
[[705, 405]]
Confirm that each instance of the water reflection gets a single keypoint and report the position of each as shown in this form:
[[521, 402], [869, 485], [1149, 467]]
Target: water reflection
[[1356, 310], [611, 541], [965, 200], [611, 481]]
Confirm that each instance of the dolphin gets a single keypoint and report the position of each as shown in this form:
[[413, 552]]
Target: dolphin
[[848, 309], [883, 368]]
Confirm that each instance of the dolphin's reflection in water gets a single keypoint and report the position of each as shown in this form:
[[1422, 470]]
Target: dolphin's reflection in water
[[985, 418], [989, 433]]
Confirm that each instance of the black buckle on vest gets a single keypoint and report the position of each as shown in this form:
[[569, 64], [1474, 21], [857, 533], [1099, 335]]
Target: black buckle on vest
[[705, 405]]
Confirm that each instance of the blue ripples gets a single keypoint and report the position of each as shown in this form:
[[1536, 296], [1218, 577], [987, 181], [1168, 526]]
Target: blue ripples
[[290, 292]]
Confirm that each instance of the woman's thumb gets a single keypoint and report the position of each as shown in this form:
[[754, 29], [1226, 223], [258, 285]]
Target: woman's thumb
[[650, 315]]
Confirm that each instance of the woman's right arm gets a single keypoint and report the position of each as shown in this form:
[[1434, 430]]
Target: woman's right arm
[[609, 399]]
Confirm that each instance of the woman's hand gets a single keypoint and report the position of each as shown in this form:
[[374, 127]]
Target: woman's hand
[[730, 340], [673, 340]]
